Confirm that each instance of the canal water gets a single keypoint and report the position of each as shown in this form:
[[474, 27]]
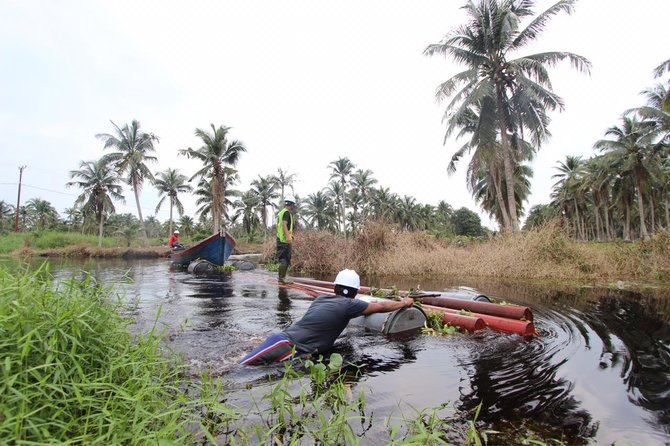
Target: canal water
[[598, 373]]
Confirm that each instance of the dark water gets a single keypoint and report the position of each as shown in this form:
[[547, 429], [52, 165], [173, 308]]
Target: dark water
[[598, 372]]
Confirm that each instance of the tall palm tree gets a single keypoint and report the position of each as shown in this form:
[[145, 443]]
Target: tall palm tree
[[633, 152], [341, 169], [133, 148], [283, 180], [383, 203], [73, 217], [518, 90], [216, 154], [41, 213], [319, 211], [186, 225], [247, 205], [265, 190], [567, 193], [6, 212], [170, 183], [364, 182], [100, 185]]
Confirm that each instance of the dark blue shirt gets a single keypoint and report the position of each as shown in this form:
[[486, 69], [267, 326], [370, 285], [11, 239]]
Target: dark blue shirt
[[324, 321]]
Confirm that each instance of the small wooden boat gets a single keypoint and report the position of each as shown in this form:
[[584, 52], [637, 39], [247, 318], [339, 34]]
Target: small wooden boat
[[215, 249]]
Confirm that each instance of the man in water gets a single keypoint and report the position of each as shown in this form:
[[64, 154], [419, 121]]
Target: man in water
[[285, 237], [324, 321]]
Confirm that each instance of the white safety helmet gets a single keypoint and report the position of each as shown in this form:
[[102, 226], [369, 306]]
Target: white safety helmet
[[176, 231], [290, 199], [349, 278]]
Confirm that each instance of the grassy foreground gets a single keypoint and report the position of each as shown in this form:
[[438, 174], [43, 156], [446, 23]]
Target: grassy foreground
[[71, 373], [546, 253]]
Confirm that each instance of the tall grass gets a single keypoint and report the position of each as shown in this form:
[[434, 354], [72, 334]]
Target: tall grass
[[71, 373], [545, 253]]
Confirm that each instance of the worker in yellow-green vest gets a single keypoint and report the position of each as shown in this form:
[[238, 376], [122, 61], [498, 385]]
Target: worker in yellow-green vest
[[285, 225]]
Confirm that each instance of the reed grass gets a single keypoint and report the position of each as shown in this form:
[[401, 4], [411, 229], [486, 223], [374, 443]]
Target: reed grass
[[71, 373], [544, 253]]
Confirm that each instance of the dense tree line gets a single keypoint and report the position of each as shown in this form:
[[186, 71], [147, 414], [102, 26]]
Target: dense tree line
[[624, 190], [499, 104]]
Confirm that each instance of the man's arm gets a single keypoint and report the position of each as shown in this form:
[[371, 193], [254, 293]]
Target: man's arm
[[387, 306], [289, 236]]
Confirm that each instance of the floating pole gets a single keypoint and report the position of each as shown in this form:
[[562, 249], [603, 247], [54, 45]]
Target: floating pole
[[505, 311], [523, 328], [469, 323]]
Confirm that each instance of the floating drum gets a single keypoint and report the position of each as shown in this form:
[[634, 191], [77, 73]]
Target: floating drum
[[399, 321], [465, 293], [201, 266]]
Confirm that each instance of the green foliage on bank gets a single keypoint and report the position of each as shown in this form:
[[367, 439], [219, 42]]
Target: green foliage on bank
[[52, 239]]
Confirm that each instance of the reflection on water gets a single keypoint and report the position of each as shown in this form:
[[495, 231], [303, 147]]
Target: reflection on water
[[599, 370]]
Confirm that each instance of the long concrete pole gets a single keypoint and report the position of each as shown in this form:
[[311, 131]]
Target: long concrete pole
[[18, 200]]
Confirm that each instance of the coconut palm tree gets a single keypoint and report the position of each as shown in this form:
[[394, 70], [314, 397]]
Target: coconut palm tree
[[662, 69], [364, 183], [186, 225], [73, 217], [383, 203], [264, 188], [518, 90], [567, 193], [319, 211], [133, 148], [216, 154], [283, 180], [170, 183], [247, 206], [6, 212], [633, 151], [99, 186], [341, 169], [41, 213]]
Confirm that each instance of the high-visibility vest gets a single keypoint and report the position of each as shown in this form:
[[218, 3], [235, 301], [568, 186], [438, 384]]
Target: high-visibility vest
[[280, 225]]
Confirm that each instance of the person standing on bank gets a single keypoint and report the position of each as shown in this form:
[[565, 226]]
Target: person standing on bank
[[285, 226], [324, 321]]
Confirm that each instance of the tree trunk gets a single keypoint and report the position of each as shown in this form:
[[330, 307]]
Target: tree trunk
[[506, 225], [100, 220], [652, 211], [171, 204], [644, 235], [509, 169], [667, 214], [139, 213], [626, 224]]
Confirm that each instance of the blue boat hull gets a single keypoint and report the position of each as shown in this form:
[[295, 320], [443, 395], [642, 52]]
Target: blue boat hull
[[215, 249]]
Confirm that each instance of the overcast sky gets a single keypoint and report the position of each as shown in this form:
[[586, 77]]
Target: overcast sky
[[301, 83]]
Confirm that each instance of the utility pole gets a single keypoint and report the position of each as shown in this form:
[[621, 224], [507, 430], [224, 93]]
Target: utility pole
[[18, 200]]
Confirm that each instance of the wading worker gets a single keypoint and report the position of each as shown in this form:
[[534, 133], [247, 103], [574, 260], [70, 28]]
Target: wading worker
[[285, 226], [324, 321]]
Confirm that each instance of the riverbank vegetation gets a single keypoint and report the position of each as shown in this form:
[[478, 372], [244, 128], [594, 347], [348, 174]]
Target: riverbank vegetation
[[72, 372], [547, 252]]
